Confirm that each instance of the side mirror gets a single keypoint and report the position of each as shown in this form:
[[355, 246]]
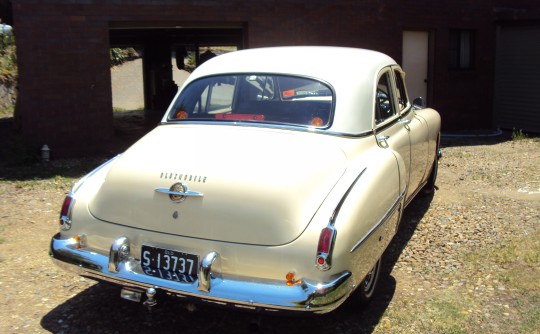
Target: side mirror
[[419, 103]]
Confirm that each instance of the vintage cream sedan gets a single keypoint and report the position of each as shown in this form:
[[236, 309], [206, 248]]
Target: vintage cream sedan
[[275, 182]]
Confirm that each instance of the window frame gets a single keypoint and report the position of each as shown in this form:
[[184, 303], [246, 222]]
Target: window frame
[[401, 88], [388, 72], [176, 112]]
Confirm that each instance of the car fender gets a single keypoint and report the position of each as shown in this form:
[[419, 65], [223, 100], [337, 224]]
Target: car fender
[[433, 121], [368, 215]]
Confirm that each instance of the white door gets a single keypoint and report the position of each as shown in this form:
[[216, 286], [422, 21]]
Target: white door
[[415, 62]]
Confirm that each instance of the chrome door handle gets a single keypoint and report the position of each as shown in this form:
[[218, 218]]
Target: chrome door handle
[[382, 141], [405, 121]]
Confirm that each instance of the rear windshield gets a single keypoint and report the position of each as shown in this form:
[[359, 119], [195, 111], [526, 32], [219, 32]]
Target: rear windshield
[[257, 98]]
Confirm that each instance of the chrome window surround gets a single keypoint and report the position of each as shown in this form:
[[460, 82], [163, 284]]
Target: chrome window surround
[[276, 127], [170, 120]]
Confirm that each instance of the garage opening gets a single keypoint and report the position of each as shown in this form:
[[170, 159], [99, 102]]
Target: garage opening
[[150, 64], [517, 78]]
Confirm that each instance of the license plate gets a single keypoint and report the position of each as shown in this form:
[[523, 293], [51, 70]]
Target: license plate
[[169, 264]]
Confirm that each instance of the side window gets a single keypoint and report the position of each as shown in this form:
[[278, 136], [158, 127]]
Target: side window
[[217, 97], [384, 107], [401, 92], [257, 88]]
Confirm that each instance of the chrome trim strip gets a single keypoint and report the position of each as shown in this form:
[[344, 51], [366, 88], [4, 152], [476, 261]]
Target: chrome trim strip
[[406, 111], [265, 295], [188, 193], [405, 121], [327, 257], [387, 216], [275, 74], [80, 182], [383, 126], [343, 198], [416, 192], [273, 126]]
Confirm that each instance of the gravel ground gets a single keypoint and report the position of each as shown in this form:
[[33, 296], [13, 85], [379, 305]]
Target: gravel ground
[[488, 194]]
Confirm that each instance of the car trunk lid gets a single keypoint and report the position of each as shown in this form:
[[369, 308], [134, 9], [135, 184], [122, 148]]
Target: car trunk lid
[[256, 186]]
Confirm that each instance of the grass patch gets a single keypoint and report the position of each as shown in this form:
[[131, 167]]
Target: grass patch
[[7, 112], [496, 291], [56, 182], [445, 311], [448, 313], [517, 134], [514, 269], [517, 258]]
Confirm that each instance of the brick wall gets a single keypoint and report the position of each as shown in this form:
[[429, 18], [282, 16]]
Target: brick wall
[[65, 93]]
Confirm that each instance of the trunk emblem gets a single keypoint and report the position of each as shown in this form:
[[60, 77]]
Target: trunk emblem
[[178, 192]]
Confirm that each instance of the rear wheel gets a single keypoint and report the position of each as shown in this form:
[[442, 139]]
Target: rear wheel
[[430, 185], [366, 290]]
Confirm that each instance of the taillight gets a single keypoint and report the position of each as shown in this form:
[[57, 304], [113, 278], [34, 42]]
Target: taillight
[[65, 213], [324, 248]]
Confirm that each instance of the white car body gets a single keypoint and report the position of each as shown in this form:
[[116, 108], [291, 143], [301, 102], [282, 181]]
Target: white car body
[[287, 212]]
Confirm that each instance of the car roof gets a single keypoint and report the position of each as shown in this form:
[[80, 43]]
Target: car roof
[[351, 72], [324, 62]]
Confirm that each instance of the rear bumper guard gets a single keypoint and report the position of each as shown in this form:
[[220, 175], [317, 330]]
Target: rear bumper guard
[[263, 295]]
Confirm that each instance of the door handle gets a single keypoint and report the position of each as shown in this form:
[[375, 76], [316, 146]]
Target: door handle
[[405, 121], [382, 141]]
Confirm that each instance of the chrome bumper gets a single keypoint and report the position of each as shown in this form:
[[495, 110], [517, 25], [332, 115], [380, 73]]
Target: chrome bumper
[[308, 296]]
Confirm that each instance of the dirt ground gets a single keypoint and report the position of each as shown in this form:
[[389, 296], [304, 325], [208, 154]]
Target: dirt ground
[[488, 193]]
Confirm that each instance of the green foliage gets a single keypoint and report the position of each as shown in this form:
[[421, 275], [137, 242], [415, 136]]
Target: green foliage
[[121, 55], [190, 62], [518, 134], [8, 60], [7, 111]]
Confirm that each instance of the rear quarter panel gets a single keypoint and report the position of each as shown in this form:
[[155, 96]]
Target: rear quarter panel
[[433, 120], [363, 233]]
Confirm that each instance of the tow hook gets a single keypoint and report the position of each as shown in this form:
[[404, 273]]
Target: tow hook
[[150, 302]]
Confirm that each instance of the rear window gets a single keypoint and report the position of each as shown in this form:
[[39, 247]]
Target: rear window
[[260, 98]]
